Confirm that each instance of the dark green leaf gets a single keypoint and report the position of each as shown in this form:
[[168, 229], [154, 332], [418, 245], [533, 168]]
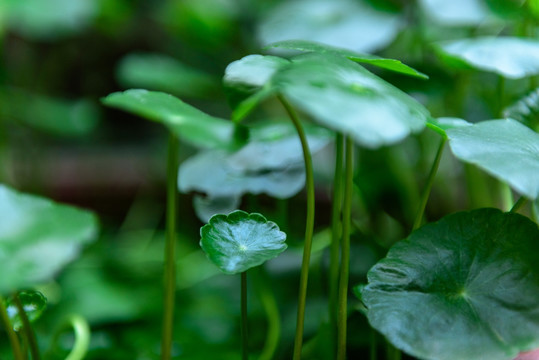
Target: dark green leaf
[[163, 73], [349, 99], [59, 117], [389, 64], [38, 237], [510, 57], [189, 123], [465, 287], [240, 241], [33, 303], [504, 148], [348, 24]]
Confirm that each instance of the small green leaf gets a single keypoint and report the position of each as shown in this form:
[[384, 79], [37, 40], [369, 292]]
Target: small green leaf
[[347, 24], [38, 238], [465, 287], [309, 46], [347, 98], [510, 57], [33, 303], [240, 241], [504, 148], [253, 71], [189, 123], [162, 73]]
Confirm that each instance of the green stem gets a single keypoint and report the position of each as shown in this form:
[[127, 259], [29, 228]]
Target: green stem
[[170, 248], [520, 202], [345, 251], [372, 345], [506, 196], [500, 89], [82, 338], [27, 328], [428, 186], [309, 227], [14, 341], [335, 236], [244, 337], [272, 313]]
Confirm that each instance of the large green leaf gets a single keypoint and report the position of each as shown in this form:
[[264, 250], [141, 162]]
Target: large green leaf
[[38, 237], [510, 57], [309, 46], [33, 303], [348, 24], [162, 73], [189, 123], [504, 148], [240, 241], [349, 99], [465, 287]]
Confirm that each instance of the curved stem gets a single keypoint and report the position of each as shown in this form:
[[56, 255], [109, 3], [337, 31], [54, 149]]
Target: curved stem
[[309, 227], [335, 236], [82, 338], [14, 341], [244, 337], [345, 250], [170, 248], [520, 202], [428, 186], [27, 328], [272, 313]]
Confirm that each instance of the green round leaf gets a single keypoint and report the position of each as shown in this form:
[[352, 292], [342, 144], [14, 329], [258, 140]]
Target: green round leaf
[[163, 73], [504, 148], [189, 123], [38, 237], [33, 303], [309, 46], [348, 24], [240, 241], [206, 207], [465, 287], [210, 172], [510, 57], [252, 71], [347, 98]]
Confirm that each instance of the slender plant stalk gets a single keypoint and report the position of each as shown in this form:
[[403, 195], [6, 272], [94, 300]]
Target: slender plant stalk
[[309, 227], [506, 196], [170, 248], [27, 328], [345, 250], [267, 298], [428, 186], [336, 230], [13, 339], [82, 338], [372, 345], [244, 337], [520, 202]]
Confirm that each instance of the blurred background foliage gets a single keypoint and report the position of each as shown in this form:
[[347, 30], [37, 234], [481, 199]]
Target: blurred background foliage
[[59, 57]]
